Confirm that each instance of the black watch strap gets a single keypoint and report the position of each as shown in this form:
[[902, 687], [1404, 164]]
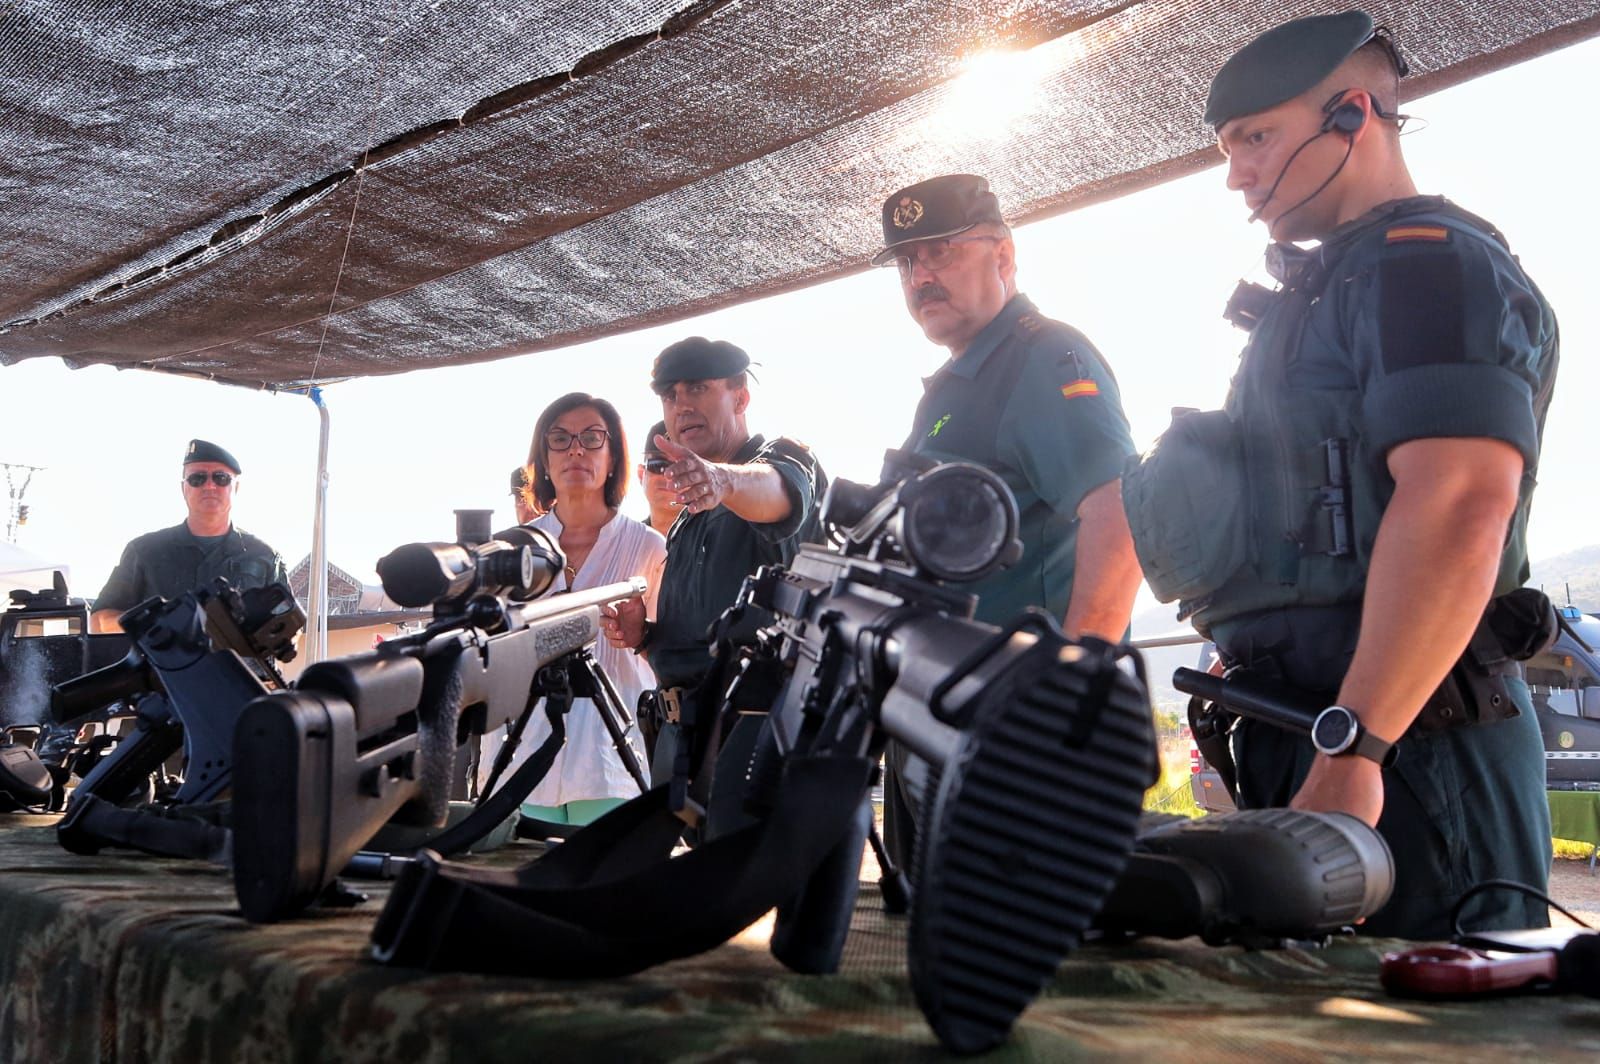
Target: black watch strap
[[1372, 748]]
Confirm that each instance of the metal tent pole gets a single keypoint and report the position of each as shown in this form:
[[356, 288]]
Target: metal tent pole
[[317, 586]]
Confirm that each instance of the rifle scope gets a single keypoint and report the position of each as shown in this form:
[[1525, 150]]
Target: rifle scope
[[519, 563], [953, 522]]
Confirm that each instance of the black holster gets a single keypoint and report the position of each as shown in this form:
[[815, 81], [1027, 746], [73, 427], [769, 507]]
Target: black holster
[[1515, 627]]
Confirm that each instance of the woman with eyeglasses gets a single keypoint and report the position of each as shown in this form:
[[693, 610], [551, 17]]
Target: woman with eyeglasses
[[577, 474]]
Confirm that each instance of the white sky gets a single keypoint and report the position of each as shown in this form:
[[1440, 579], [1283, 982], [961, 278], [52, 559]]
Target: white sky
[[1145, 277]]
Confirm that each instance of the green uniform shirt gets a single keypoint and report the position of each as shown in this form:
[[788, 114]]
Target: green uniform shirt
[[1032, 400], [709, 555], [1412, 322], [174, 561]]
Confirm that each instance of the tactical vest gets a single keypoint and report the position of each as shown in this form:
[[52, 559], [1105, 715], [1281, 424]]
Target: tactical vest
[[1275, 500]]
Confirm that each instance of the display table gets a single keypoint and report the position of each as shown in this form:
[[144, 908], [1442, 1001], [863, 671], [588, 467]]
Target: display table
[[131, 958]]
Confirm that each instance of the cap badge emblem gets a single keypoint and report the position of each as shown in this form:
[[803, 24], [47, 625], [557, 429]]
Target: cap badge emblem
[[907, 213]]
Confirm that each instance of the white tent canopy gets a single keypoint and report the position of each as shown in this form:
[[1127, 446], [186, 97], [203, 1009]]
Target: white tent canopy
[[27, 571]]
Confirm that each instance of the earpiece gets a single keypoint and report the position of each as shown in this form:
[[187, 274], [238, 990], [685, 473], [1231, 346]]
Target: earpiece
[[1347, 118]]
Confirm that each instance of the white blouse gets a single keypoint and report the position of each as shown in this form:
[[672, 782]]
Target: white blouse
[[588, 765]]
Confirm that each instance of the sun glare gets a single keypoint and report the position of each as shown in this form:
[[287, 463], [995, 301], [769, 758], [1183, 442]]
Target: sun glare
[[993, 90]]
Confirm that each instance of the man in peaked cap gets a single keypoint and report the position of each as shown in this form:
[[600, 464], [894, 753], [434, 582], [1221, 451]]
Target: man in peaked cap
[[1363, 535], [745, 502], [1025, 396], [192, 554]]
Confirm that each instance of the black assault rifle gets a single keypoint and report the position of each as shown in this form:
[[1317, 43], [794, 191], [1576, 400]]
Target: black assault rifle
[[364, 739], [1044, 748], [195, 663]]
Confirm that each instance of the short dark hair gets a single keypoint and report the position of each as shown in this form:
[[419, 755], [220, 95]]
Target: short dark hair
[[544, 490]]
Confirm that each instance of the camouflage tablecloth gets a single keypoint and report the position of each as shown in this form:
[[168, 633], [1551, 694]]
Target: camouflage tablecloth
[[132, 958]]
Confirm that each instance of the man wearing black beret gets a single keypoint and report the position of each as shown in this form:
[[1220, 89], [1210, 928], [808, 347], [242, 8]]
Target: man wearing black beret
[[744, 502], [192, 554], [1361, 535]]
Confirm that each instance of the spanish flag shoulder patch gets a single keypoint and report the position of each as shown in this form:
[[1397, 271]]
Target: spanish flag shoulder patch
[[1437, 234], [1080, 388]]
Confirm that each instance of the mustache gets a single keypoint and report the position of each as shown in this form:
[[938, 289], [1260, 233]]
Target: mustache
[[931, 291]]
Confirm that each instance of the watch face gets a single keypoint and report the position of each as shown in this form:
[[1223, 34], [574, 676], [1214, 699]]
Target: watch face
[[1334, 730]]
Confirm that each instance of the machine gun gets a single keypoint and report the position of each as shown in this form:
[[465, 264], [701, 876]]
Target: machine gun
[[194, 665], [374, 737], [1044, 748]]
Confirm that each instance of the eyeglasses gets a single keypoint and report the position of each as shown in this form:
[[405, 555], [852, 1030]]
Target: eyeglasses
[[221, 478], [588, 439], [932, 254]]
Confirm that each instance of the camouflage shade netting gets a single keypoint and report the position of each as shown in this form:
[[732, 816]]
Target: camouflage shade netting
[[273, 194]]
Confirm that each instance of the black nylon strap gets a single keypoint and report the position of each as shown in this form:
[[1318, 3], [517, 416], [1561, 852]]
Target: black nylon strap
[[605, 903], [493, 810], [92, 823]]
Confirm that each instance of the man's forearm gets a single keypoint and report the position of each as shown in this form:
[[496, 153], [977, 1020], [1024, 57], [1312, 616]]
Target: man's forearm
[[755, 492], [105, 621], [1433, 570], [1106, 573]]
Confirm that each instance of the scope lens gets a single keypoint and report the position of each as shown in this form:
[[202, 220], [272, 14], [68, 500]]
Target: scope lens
[[958, 526]]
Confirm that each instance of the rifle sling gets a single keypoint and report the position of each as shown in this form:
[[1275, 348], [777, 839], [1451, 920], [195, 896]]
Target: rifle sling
[[507, 799], [92, 823], [610, 901]]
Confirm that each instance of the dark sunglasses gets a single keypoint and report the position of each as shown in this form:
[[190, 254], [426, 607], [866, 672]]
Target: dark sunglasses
[[220, 477]]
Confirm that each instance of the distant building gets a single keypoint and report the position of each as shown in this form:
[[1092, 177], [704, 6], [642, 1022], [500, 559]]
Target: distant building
[[346, 594], [359, 615]]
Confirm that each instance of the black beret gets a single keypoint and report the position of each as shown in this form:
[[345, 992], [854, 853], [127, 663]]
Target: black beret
[[206, 451], [697, 359], [939, 206], [1284, 62]]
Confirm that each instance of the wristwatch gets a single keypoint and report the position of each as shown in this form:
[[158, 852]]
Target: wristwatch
[[1337, 731]]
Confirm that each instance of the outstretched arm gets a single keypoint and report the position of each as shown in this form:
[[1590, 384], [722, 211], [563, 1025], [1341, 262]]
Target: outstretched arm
[[754, 492]]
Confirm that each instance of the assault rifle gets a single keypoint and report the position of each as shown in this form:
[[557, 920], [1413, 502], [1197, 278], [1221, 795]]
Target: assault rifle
[[375, 737], [195, 663], [1044, 747]]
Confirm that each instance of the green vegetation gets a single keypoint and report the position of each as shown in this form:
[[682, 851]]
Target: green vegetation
[[1171, 794]]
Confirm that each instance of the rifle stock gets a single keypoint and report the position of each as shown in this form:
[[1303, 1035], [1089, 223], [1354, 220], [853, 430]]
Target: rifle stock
[[318, 770]]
